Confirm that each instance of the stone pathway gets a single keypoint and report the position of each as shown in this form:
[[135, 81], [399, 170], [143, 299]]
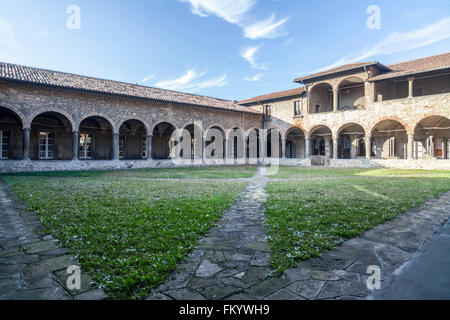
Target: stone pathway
[[233, 256], [232, 261], [33, 265]]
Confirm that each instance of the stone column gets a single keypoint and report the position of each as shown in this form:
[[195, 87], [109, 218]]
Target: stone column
[[307, 147], [75, 145], [26, 143], [225, 149], [410, 87], [327, 148], [115, 147], [335, 100], [203, 149], [368, 141], [409, 150], [335, 147], [283, 148], [149, 146]]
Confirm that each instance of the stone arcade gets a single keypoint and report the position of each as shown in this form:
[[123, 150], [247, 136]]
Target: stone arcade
[[358, 115]]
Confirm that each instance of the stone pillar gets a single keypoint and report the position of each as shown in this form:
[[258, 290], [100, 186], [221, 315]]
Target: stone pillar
[[409, 150], [335, 100], [203, 149], [149, 146], [327, 148], [368, 141], [75, 145], [307, 147], [225, 149], [283, 148], [410, 87], [115, 147], [26, 143], [335, 147], [262, 146]]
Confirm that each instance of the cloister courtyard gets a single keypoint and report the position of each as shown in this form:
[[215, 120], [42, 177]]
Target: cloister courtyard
[[228, 232]]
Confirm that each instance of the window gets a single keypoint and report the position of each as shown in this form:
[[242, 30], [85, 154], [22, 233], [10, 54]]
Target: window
[[298, 108], [291, 151], [46, 145], [418, 149], [362, 148], [4, 145], [85, 150], [144, 146], [268, 112], [448, 149], [317, 108], [345, 146]]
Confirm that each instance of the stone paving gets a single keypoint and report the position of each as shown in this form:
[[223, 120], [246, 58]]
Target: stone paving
[[232, 261], [33, 265]]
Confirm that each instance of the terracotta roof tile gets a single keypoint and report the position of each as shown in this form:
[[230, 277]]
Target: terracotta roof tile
[[441, 61], [72, 81], [275, 95], [346, 67]]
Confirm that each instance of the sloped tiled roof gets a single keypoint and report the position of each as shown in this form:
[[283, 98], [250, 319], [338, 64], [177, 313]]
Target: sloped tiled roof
[[433, 63], [346, 67], [72, 81], [275, 95]]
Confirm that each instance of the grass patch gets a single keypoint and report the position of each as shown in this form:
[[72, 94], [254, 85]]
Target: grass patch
[[223, 172], [305, 218], [127, 234], [292, 172]]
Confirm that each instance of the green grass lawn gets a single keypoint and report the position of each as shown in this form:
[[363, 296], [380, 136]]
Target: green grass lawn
[[290, 172], [305, 218], [223, 172], [128, 234]]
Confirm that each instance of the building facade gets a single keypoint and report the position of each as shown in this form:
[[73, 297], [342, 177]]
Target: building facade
[[363, 114]]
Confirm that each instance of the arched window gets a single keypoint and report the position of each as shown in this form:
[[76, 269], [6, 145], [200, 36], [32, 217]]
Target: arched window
[[362, 147]]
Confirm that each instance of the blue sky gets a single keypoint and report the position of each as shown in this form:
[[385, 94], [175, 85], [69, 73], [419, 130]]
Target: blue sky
[[231, 49]]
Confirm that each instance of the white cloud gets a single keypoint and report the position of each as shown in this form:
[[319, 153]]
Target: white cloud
[[269, 29], [249, 54], [7, 36], [190, 82], [255, 78], [232, 11], [399, 42], [149, 77], [236, 12]]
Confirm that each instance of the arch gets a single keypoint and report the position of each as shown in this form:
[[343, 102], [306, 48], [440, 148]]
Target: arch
[[293, 128], [351, 125], [321, 98], [95, 138], [432, 138], [11, 135], [115, 128], [35, 114], [236, 146], [164, 141], [133, 135], [317, 127], [391, 138], [392, 118], [351, 94], [218, 126], [193, 132], [338, 84], [16, 113], [51, 136], [214, 145], [143, 122], [295, 142], [321, 140], [349, 141]]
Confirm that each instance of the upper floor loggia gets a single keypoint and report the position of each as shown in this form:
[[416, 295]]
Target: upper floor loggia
[[355, 86]]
